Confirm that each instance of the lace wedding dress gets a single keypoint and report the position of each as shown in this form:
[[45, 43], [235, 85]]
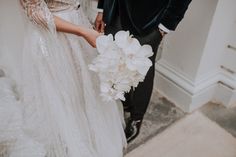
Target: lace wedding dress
[[49, 100]]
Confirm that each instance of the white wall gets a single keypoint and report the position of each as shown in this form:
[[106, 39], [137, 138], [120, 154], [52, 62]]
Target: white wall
[[227, 94], [189, 72], [185, 46], [218, 37]]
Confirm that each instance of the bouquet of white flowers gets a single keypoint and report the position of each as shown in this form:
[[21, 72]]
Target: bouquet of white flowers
[[121, 64]]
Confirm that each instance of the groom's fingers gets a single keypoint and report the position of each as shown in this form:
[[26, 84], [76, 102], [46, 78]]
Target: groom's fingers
[[102, 27], [97, 25]]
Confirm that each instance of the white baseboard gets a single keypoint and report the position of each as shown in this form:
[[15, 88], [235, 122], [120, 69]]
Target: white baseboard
[[224, 95], [180, 97], [189, 95]]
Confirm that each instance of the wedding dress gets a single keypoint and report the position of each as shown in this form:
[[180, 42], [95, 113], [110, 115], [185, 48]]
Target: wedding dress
[[49, 100]]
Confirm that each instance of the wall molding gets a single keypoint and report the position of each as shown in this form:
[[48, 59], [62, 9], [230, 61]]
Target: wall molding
[[189, 94]]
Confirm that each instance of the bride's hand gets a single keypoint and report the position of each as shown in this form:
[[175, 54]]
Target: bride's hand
[[90, 35]]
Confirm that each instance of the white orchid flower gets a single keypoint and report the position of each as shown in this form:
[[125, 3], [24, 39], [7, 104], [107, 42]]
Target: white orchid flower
[[142, 65], [139, 61], [103, 42], [132, 48], [122, 39], [122, 84], [121, 64], [145, 51], [105, 87], [120, 95]]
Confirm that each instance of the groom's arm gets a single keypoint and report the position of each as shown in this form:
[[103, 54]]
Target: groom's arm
[[100, 4], [173, 14]]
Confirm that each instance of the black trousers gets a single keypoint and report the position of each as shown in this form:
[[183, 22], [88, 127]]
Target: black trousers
[[138, 99]]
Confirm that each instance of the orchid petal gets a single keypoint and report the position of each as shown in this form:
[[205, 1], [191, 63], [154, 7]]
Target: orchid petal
[[103, 42], [145, 51], [133, 47], [122, 39]]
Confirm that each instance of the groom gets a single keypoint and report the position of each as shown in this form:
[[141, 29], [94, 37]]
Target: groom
[[148, 21]]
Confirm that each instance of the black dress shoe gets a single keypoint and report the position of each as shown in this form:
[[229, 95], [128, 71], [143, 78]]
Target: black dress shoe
[[132, 129]]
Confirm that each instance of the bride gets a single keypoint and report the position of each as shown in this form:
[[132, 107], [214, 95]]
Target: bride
[[49, 100]]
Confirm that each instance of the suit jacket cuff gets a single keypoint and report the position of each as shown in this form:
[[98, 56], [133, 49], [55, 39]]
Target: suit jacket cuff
[[163, 28], [99, 10], [100, 4]]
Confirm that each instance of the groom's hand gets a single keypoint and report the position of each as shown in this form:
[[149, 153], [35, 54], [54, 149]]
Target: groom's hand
[[99, 24]]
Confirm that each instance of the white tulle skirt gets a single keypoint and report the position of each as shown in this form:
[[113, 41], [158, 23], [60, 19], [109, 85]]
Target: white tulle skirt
[[53, 108]]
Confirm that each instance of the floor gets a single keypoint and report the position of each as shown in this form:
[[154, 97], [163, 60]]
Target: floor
[[224, 117], [168, 132], [193, 136], [161, 114]]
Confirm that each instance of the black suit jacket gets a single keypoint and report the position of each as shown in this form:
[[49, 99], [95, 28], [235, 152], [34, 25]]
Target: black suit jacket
[[140, 16]]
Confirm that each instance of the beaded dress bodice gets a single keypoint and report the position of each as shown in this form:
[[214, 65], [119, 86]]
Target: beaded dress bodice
[[59, 5]]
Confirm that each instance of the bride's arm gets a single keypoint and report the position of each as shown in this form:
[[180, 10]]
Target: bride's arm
[[89, 34], [39, 14]]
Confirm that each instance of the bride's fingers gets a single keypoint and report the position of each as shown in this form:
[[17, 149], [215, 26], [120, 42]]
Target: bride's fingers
[[93, 44]]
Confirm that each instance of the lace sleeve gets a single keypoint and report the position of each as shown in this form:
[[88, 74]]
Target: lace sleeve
[[38, 12]]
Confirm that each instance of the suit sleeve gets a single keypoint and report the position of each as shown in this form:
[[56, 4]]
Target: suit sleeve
[[100, 4], [174, 13]]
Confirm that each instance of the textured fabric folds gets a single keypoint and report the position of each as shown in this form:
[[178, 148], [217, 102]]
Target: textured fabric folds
[[53, 107]]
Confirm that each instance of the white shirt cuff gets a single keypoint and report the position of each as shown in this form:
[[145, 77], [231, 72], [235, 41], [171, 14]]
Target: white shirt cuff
[[163, 28], [99, 10]]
